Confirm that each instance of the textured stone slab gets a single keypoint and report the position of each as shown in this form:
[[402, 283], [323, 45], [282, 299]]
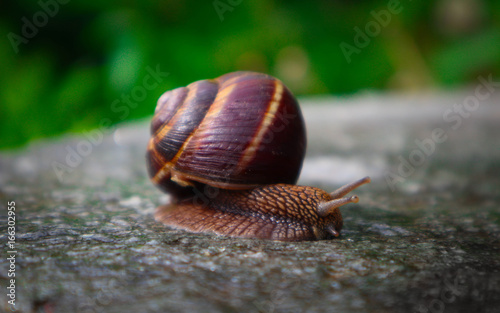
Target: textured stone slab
[[425, 240]]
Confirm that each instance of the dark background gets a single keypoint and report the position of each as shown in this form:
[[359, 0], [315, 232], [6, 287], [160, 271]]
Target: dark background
[[72, 73]]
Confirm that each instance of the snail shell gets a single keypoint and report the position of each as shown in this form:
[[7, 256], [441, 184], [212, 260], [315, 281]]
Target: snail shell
[[238, 131]]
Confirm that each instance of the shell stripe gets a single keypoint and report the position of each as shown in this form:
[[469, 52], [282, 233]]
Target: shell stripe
[[218, 104], [154, 157], [168, 126], [166, 168], [162, 100], [269, 117], [213, 111], [161, 133]]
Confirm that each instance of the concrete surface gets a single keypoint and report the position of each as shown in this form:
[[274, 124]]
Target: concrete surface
[[425, 236]]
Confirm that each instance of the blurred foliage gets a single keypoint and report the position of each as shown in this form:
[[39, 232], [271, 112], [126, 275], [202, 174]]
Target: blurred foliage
[[86, 56]]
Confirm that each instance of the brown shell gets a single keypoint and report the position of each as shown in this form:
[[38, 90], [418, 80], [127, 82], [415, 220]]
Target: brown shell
[[237, 131], [278, 212]]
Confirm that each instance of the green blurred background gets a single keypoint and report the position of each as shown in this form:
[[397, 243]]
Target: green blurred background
[[86, 57]]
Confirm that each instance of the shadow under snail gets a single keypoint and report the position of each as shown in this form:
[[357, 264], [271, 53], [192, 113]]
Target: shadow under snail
[[229, 152]]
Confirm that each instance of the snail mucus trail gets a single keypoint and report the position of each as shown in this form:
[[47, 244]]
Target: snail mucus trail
[[244, 135]]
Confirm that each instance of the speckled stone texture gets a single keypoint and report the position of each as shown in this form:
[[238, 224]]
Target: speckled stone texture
[[425, 236]]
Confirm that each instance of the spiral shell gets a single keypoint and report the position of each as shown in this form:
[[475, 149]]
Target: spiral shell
[[238, 131]]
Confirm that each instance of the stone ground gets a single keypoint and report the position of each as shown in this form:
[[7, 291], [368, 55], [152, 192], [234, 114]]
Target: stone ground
[[425, 240]]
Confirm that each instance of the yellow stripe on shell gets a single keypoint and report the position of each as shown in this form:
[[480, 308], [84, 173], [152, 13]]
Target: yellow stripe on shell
[[269, 116], [214, 110], [193, 88]]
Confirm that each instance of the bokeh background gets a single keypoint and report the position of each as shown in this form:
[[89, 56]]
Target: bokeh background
[[86, 57]]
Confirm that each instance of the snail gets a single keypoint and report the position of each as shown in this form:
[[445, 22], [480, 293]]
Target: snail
[[229, 152]]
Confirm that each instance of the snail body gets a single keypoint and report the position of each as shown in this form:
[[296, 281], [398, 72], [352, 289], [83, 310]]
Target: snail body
[[279, 212], [229, 151]]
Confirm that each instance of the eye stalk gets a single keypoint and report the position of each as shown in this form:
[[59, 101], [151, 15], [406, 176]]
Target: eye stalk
[[326, 208]]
